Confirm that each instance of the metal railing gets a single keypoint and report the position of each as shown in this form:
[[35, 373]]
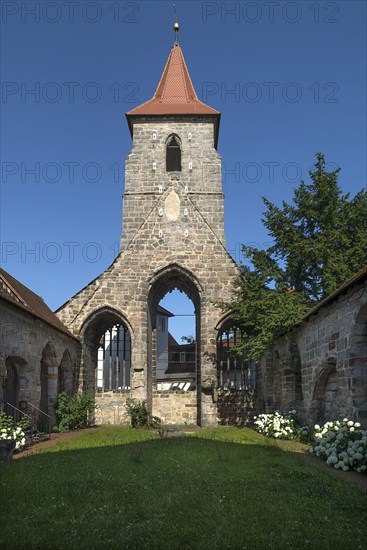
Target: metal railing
[[43, 419], [39, 426], [13, 411]]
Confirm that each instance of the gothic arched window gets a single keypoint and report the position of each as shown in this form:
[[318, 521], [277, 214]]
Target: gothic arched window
[[173, 154], [235, 371], [114, 359]]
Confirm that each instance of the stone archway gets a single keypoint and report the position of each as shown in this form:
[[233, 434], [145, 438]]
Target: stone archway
[[326, 404], [173, 406], [107, 363]]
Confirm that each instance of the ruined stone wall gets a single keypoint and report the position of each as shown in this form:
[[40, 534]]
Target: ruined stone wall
[[24, 341], [320, 367], [173, 237]]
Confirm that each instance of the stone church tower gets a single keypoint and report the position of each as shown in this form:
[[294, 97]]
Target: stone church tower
[[172, 238]]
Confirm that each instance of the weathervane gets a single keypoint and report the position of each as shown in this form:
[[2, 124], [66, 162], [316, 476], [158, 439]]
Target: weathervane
[[176, 26]]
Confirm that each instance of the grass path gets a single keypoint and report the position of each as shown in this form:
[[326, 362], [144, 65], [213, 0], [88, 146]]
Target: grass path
[[217, 489]]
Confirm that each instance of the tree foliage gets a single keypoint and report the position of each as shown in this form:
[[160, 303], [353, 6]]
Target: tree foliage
[[319, 242], [190, 339]]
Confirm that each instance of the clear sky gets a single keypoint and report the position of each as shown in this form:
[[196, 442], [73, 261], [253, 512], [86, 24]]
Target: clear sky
[[288, 77]]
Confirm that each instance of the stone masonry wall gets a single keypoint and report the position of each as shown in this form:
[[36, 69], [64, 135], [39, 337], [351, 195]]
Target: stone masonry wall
[[111, 408], [173, 237], [25, 340], [174, 407], [236, 408], [320, 367]]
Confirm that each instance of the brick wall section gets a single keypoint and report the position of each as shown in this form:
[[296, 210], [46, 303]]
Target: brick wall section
[[320, 367]]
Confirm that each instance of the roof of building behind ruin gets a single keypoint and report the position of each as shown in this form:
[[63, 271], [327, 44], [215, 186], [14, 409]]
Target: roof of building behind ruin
[[21, 296], [163, 311]]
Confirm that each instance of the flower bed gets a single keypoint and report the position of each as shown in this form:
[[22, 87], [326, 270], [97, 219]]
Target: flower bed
[[10, 430], [343, 445], [280, 426]]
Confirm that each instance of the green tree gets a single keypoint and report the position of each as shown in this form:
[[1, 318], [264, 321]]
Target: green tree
[[190, 339], [319, 241]]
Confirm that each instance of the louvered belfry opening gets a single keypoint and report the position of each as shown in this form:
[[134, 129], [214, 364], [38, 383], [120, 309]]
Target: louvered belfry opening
[[173, 155]]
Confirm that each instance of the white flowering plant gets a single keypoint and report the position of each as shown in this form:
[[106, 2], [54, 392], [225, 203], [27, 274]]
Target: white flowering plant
[[280, 426], [11, 430], [342, 444]]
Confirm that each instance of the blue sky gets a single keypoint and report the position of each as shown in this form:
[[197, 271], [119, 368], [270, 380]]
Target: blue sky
[[289, 79]]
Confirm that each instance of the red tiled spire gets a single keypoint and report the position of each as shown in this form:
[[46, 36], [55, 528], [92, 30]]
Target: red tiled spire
[[175, 94]]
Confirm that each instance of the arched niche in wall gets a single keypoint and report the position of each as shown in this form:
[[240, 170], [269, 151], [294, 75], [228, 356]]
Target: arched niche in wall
[[292, 376], [11, 387], [357, 379], [65, 374], [326, 393]]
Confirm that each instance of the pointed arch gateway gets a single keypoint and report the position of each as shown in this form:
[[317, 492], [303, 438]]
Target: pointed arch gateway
[[173, 406]]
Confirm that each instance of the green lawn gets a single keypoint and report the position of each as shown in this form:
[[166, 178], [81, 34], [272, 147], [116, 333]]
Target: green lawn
[[217, 489]]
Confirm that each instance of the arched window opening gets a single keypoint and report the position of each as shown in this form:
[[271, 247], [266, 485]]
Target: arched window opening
[[173, 154], [61, 379], [176, 342], [327, 392], [235, 371], [65, 381], [114, 360], [292, 382]]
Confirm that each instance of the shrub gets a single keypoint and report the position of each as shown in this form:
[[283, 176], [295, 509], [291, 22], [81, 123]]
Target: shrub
[[280, 426], [342, 445], [73, 413], [140, 417], [11, 430]]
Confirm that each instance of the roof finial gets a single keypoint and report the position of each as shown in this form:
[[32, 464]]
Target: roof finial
[[176, 26]]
